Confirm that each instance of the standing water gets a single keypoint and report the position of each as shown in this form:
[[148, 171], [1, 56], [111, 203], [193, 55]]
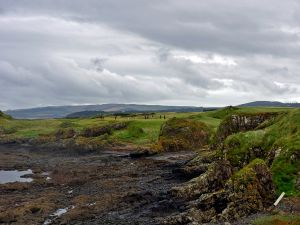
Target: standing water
[[8, 176]]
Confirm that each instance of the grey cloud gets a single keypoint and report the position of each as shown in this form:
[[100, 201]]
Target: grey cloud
[[233, 27], [98, 51]]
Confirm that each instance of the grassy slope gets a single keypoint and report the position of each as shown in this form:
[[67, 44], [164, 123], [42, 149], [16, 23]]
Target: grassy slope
[[34, 128], [151, 126]]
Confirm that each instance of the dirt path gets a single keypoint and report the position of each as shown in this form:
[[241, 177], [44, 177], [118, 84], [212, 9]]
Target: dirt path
[[103, 188]]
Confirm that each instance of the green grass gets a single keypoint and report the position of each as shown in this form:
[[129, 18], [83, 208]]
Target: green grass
[[278, 220], [205, 117], [282, 136], [240, 145], [140, 132], [34, 128]]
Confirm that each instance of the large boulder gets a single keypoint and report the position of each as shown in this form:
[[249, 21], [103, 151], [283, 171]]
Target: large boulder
[[183, 134], [213, 179]]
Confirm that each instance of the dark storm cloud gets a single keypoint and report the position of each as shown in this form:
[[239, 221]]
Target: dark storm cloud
[[171, 52]]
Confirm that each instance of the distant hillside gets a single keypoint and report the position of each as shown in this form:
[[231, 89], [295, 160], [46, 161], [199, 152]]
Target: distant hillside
[[269, 104], [3, 115], [63, 111]]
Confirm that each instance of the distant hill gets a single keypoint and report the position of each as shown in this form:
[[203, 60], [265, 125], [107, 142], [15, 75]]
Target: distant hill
[[63, 111], [269, 104], [3, 115]]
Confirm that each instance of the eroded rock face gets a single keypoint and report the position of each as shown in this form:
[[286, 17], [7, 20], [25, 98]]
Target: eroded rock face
[[219, 195], [183, 134], [249, 191], [242, 122], [213, 179], [196, 166]]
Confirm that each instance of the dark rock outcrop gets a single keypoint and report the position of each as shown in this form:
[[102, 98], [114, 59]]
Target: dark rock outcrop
[[219, 195], [242, 122], [213, 179]]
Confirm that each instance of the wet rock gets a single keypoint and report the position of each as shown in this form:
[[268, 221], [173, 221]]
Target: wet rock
[[196, 166], [213, 179], [142, 153]]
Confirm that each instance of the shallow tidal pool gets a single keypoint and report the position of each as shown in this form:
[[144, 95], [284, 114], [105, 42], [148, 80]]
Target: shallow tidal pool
[[9, 176]]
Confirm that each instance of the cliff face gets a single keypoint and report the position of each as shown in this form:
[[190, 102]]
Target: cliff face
[[239, 175], [220, 194], [242, 122]]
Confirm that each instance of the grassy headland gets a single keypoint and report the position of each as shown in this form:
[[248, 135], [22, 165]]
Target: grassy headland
[[277, 140]]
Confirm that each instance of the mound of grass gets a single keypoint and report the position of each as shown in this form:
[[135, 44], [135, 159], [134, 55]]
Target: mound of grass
[[241, 148], [139, 132], [205, 117], [183, 134], [132, 132], [107, 129], [222, 113]]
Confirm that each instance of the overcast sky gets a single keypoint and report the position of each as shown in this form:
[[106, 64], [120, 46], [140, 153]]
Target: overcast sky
[[175, 52]]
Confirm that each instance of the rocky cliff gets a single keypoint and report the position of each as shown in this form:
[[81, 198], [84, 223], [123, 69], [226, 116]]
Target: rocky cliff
[[239, 175]]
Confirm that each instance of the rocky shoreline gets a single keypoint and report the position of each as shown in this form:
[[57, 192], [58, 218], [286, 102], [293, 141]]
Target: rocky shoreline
[[95, 188], [110, 187]]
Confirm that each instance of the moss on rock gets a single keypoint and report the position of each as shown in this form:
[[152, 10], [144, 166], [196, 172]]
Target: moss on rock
[[242, 122], [183, 134], [241, 148], [250, 190]]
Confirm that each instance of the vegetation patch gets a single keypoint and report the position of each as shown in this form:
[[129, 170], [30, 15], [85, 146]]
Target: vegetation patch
[[277, 220], [5, 116], [222, 113], [65, 133], [183, 134], [252, 185], [275, 140], [107, 129], [241, 148]]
